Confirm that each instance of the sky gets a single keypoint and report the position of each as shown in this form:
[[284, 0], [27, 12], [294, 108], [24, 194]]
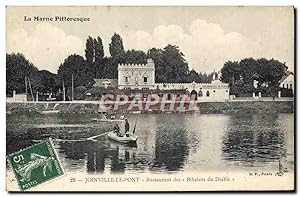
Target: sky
[[207, 36]]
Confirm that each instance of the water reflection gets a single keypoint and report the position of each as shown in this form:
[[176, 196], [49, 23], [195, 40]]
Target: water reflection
[[171, 144], [166, 142], [167, 149], [99, 156], [253, 139]]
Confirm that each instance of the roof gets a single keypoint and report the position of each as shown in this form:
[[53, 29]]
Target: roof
[[286, 76], [101, 82]]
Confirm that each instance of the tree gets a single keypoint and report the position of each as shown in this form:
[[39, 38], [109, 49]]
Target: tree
[[230, 71], [48, 81], [90, 55], [135, 57], [116, 47], [193, 76], [94, 55], [17, 68], [231, 74], [177, 67], [99, 55], [80, 92], [36, 81], [206, 78], [157, 56], [90, 51], [241, 75], [75, 65], [117, 53], [270, 71], [170, 64]]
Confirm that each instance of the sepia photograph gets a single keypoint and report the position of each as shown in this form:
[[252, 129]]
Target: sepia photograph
[[150, 98]]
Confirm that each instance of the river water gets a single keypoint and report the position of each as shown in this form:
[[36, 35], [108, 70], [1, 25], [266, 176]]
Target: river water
[[166, 143]]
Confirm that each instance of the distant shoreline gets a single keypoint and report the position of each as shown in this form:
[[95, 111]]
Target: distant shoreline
[[84, 107]]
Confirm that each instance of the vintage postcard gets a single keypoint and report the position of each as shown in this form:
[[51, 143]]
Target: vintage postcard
[[102, 98]]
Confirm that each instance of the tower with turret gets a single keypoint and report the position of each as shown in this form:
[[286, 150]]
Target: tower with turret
[[136, 76]]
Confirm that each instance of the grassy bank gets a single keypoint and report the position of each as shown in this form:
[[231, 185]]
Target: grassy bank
[[248, 107], [205, 108], [80, 108]]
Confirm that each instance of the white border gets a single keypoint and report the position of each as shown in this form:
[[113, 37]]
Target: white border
[[150, 2], [3, 3]]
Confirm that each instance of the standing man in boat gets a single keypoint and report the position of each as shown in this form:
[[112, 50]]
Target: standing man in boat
[[126, 127]]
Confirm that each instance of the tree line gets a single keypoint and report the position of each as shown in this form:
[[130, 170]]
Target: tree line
[[18, 67], [170, 63], [170, 66], [241, 75]]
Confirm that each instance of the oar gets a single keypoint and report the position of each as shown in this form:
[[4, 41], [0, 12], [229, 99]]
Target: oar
[[133, 131], [93, 137]]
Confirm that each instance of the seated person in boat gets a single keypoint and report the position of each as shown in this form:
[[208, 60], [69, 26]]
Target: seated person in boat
[[112, 117], [126, 128], [117, 130]]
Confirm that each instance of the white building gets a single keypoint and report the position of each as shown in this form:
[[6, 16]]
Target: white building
[[287, 81], [21, 98], [142, 76], [204, 91], [136, 76]]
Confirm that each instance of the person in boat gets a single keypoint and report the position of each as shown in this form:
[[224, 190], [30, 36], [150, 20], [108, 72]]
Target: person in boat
[[117, 130], [126, 128]]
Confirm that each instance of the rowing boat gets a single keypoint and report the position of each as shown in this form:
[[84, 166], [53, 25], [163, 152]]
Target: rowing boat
[[123, 139]]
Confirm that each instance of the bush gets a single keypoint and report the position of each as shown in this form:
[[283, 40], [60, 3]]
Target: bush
[[79, 93]]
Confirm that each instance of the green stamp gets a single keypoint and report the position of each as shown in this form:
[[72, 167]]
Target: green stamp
[[35, 165]]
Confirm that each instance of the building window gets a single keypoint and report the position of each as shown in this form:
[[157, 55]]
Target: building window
[[169, 97], [207, 93], [226, 90], [291, 86], [126, 80], [145, 79], [214, 90], [200, 93]]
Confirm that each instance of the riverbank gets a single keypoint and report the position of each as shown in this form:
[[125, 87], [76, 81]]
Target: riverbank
[[205, 107], [248, 107]]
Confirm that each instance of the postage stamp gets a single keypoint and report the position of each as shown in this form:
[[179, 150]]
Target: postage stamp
[[35, 165]]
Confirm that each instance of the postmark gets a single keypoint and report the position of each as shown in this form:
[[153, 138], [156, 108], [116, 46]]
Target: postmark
[[35, 165]]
